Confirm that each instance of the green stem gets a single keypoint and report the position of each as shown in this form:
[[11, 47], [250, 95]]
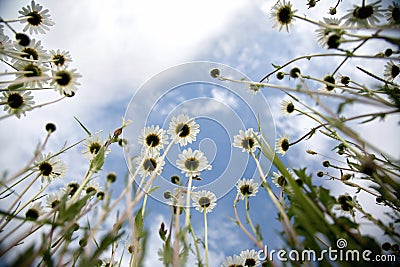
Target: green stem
[[249, 218]]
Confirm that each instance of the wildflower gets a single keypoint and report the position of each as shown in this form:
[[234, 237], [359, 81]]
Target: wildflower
[[236, 261], [204, 200], [38, 19], [17, 103], [92, 146], [294, 72], [92, 187], [71, 188], [153, 138], [391, 70], [246, 140], [214, 73], [33, 51], [60, 58], [34, 211], [31, 74], [54, 199], [253, 88], [192, 163], [111, 177], [283, 13], [330, 34], [49, 167], [279, 180], [130, 247], [287, 107], [363, 16], [250, 258], [393, 13], [65, 81], [107, 262], [6, 46], [329, 79], [280, 75], [148, 163], [246, 188], [345, 80], [185, 128], [50, 127], [283, 144]]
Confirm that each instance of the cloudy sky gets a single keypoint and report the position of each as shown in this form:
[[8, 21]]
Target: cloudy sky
[[121, 47]]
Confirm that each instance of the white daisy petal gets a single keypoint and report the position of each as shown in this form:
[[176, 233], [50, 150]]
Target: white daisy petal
[[247, 188], [246, 141], [192, 163], [186, 129]]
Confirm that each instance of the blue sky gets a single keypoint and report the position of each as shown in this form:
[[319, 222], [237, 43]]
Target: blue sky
[[120, 47]]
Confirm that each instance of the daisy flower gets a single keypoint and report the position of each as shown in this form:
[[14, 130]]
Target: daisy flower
[[71, 188], [34, 211], [279, 180], [153, 138], [345, 203], [17, 103], [31, 74], [92, 187], [283, 144], [60, 58], [204, 200], [236, 261], [246, 188], [49, 167], [329, 79], [92, 146], [54, 199], [287, 107], [391, 70], [282, 13], [38, 19], [65, 81], [185, 128], [250, 257], [6, 46], [363, 16], [253, 88], [246, 141], [148, 163], [34, 51], [330, 34], [192, 163], [393, 14]]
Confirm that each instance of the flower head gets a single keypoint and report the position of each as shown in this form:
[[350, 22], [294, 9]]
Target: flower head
[[363, 16], [6, 46], [92, 187], [92, 145], [287, 107], [38, 20], [246, 140], [32, 74], [346, 203], [393, 14], [283, 144], [391, 70], [54, 199], [282, 13], [49, 167], [250, 257], [34, 211], [204, 200], [153, 138], [60, 58], [186, 129], [148, 163], [330, 34], [17, 103], [34, 51], [329, 79], [279, 180], [192, 163], [235, 261], [246, 188], [65, 81]]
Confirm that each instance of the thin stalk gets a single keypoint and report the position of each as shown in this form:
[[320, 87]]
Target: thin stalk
[[206, 235]]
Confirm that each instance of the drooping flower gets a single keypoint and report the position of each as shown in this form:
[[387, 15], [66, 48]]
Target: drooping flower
[[393, 14], [204, 200], [153, 138], [192, 163], [54, 199], [31, 74], [330, 34], [17, 103], [34, 211], [246, 188], [279, 180], [251, 257], [33, 51], [37, 19], [246, 140], [186, 129], [287, 107], [282, 13], [49, 167], [363, 16], [92, 187]]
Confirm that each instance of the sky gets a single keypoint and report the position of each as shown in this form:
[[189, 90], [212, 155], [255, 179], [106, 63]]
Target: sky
[[135, 58]]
